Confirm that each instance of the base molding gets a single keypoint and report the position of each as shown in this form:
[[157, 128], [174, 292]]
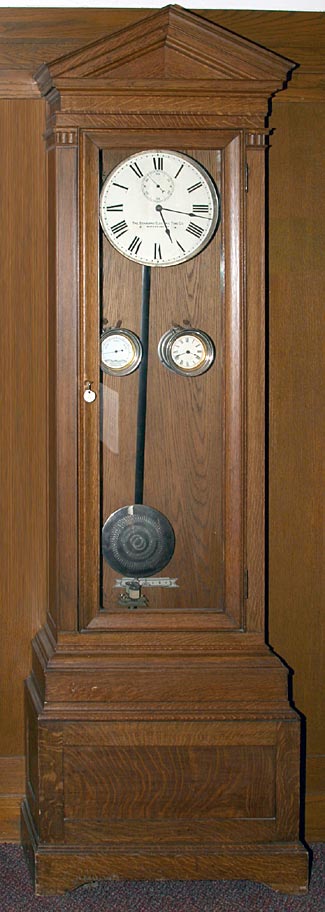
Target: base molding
[[283, 867]]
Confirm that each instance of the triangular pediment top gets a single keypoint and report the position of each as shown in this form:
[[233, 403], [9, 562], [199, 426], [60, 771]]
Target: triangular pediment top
[[172, 43]]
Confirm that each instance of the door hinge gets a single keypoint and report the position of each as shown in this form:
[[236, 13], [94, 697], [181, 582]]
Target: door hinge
[[246, 177], [245, 584]]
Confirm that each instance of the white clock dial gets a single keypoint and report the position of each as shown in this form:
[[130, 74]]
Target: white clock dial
[[159, 208], [121, 351], [188, 351]]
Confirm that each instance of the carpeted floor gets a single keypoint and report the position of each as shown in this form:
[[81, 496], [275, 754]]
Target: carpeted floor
[[16, 893]]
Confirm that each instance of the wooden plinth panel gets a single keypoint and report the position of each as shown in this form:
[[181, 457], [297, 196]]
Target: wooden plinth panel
[[194, 799]]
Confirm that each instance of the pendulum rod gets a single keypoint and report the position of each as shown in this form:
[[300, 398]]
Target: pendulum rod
[[142, 390]]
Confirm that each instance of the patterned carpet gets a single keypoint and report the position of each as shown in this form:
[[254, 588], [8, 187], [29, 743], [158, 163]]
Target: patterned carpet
[[16, 893]]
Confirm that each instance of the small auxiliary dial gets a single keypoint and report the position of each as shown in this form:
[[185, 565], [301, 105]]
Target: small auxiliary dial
[[186, 351], [120, 351]]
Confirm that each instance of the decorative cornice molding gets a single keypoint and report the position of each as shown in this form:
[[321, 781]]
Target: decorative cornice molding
[[202, 45], [193, 66], [306, 85]]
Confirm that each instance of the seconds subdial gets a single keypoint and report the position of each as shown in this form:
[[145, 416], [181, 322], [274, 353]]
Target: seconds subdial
[[158, 186]]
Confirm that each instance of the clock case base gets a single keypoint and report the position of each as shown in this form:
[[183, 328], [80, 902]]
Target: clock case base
[[138, 777]]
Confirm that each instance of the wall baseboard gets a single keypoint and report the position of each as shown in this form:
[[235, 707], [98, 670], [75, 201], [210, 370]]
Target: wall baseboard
[[12, 790]]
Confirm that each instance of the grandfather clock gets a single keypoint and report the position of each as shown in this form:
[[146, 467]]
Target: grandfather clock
[[160, 739]]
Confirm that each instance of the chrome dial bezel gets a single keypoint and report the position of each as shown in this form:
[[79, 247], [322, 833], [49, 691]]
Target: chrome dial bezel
[[165, 354]]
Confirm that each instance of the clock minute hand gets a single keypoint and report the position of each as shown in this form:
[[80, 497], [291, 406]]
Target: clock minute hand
[[158, 209], [181, 212]]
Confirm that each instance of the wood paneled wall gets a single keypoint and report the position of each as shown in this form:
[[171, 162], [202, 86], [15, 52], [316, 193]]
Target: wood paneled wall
[[296, 340], [23, 574], [296, 431]]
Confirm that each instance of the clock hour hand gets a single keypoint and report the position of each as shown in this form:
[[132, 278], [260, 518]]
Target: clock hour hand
[[158, 209]]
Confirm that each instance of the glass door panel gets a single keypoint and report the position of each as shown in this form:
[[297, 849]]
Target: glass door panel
[[180, 432]]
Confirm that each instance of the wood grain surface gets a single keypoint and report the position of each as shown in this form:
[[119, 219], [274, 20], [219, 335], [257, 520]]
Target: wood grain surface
[[23, 577], [152, 783], [63, 369], [296, 609], [23, 404]]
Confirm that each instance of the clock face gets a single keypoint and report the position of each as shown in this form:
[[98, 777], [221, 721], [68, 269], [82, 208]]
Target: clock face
[[121, 352], [189, 351], [159, 208]]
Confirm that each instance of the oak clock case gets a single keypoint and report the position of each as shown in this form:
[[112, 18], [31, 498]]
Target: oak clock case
[[159, 216], [160, 740]]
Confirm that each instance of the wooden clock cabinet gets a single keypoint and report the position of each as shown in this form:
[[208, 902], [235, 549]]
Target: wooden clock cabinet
[[160, 739]]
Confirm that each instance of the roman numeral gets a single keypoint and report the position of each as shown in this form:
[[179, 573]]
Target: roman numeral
[[182, 248], [158, 163], [136, 169], [117, 208], [195, 229], [135, 245], [120, 185], [120, 228], [195, 186], [199, 209], [157, 252], [178, 172]]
